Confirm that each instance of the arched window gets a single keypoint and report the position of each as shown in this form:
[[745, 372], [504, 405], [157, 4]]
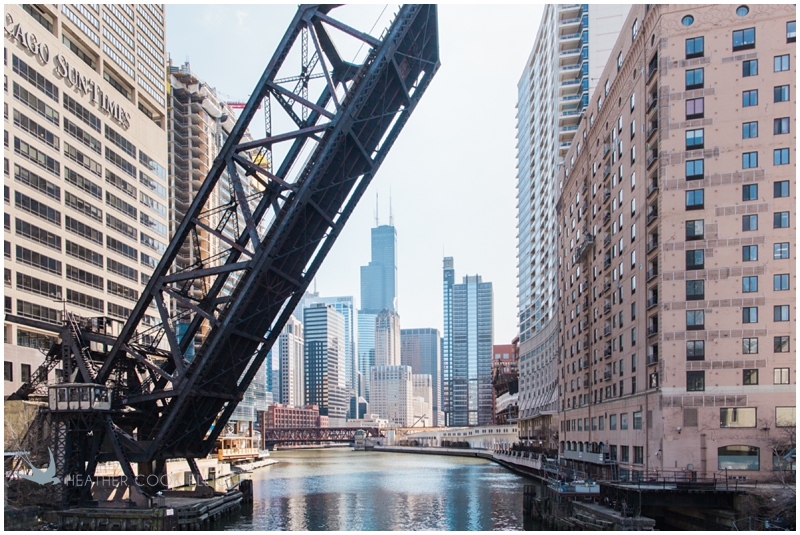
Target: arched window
[[738, 458]]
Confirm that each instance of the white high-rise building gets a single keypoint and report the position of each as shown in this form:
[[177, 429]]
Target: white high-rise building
[[323, 328], [392, 394], [423, 399], [387, 338], [569, 54], [290, 342]]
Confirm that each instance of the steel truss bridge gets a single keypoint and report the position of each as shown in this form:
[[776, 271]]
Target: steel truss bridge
[[274, 436], [181, 363]]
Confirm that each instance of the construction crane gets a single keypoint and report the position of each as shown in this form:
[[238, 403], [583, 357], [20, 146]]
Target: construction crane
[[164, 386]]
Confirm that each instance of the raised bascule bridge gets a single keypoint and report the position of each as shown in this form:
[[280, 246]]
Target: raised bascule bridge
[[165, 384]]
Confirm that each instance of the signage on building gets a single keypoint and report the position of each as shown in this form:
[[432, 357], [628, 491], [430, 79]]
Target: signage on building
[[17, 33]]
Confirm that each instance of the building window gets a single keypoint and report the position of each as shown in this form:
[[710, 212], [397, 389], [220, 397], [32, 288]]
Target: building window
[[750, 98], [612, 422], [749, 160], [695, 381], [785, 416], [780, 251], [694, 139], [637, 420], [780, 376], [744, 39], [687, 20], [780, 126], [750, 315], [750, 192], [695, 259], [749, 284], [8, 371], [635, 29], [749, 68], [781, 93], [781, 63], [619, 61], [623, 421], [781, 312], [749, 253], [791, 32], [780, 157], [694, 199], [781, 344], [737, 457], [749, 222], [694, 79], [694, 47], [694, 168], [780, 220], [780, 282], [695, 108], [742, 11], [750, 377], [696, 350], [750, 130], [781, 189], [695, 290], [694, 229], [749, 346], [695, 320]]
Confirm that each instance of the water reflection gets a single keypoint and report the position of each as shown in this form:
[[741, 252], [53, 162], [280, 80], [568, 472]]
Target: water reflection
[[338, 489]]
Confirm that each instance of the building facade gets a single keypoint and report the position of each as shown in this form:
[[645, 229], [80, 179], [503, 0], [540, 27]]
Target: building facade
[[392, 394], [676, 233], [292, 376], [84, 167], [420, 349], [569, 53], [472, 328], [279, 415], [379, 277], [387, 338], [448, 280], [324, 362], [422, 399]]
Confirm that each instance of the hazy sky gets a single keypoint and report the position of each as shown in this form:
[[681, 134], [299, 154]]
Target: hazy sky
[[452, 172]]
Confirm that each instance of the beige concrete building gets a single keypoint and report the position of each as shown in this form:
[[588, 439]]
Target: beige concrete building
[[387, 338], [85, 161], [422, 385], [676, 234], [392, 394]]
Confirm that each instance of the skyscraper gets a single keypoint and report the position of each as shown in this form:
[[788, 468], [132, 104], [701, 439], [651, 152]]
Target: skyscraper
[[378, 292], [568, 56], [469, 382], [387, 338], [448, 280], [379, 277], [420, 349], [324, 362], [85, 167], [291, 355], [392, 394]]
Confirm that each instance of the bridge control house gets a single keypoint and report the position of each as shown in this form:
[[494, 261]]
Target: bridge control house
[[84, 168]]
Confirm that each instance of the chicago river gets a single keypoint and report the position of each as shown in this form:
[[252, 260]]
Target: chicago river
[[339, 489]]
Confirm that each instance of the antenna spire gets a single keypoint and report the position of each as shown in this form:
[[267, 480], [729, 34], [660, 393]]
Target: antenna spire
[[391, 215]]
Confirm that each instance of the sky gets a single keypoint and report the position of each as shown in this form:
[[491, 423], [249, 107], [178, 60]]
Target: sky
[[452, 172]]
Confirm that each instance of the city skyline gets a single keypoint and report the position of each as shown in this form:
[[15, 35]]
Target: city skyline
[[437, 187]]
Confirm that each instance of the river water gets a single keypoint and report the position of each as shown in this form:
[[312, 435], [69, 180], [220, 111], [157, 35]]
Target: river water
[[341, 489]]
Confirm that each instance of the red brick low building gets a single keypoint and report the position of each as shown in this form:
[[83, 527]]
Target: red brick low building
[[278, 415]]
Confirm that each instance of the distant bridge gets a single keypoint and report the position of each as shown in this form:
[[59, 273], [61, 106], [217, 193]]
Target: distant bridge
[[272, 436]]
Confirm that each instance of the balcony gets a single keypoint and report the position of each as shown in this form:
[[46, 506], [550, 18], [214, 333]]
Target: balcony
[[607, 218], [569, 52], [652, 244], [652, 330], [652, 301], [652, 129], [652, 216], [607, 240], [652, 357], [565, 114], [651, 103], [652, 273], [607, 376], [569, 83], [652, 156], [653, 186], [569, 37], [606, 149], [606, 308], [606, 195], [569, 67], [607, 261], [607, 330], [607, 352], [606, 171], [607, 286], [567, 129]]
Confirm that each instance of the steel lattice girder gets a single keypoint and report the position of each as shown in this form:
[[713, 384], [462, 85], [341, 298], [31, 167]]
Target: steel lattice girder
[[278, 229], [315, 434]]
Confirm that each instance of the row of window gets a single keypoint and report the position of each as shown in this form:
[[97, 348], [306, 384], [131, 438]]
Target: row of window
[[696, 380], [696, 349], [695, 259]]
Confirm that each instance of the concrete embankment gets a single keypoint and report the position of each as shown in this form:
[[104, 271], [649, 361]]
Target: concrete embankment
[[456, 452]]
